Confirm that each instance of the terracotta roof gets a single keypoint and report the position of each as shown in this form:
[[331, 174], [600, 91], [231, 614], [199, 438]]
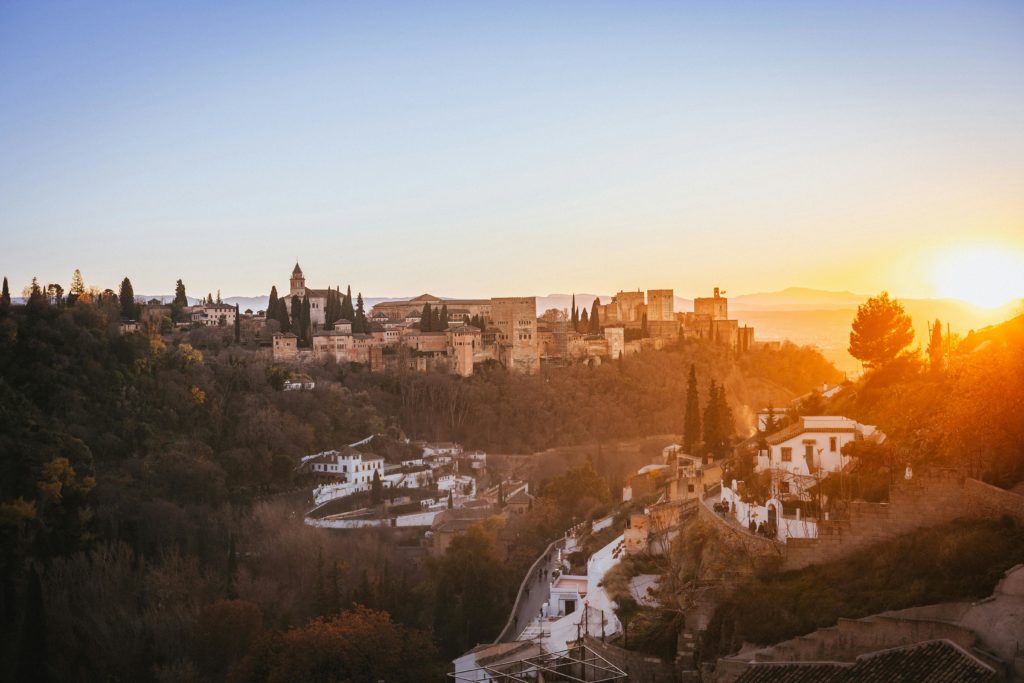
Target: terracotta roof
[[933, 661]]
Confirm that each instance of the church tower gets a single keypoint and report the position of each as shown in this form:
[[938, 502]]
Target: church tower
[[298, 282]]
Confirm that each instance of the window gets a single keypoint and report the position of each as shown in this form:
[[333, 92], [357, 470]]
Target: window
[[832, 444], [787, 454]]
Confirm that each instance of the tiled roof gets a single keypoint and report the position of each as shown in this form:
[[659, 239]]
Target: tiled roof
[[933, 661]]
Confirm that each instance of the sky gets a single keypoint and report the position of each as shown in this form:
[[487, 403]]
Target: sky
[[488, 149]]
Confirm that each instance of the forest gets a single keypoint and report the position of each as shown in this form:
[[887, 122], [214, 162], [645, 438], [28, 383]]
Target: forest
[[151, 516]]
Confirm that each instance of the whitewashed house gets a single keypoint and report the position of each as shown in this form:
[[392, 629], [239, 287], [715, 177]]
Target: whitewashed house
[[349, 465], [809, 450]]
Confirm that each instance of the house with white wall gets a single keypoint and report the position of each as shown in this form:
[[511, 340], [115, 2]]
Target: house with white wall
[[809, 450]]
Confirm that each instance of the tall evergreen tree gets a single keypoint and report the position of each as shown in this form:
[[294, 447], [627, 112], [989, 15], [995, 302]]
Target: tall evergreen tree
[[360, 320], [77, 288], [282, 315], [935, 353], [297, 317], [347, 310], [5, 297], [127, 298], [238, 326], [725, 422], [595, 317], [711, 414], [691, 421], [307, 326], [272, 304], [426, 317], [180, 298]]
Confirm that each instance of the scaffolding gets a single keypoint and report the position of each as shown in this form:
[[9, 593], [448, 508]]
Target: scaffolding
[[578, 664]]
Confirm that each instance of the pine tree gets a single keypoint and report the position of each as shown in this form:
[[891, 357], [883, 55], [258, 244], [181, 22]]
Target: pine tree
[[691, 422], [238, 326], [77, 288], [180, 299], [935, 353], [595, 317], [425, 318], [127, 298], [444, 317], [5, 297]]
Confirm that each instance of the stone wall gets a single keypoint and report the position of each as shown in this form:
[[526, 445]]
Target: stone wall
[[931, 498], [640, 667]]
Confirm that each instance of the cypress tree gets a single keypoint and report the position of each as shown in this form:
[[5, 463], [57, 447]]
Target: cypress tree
[[272, 304], [425, 318], [595, 317], [297, 317], [347, 311], [935, 347], [180, 299], [723, 414], [360, 320], [127, 299], [376, 489], [711, 413], [5, 297], [691, 422], [282, 315], [307, 329], [238, 326]]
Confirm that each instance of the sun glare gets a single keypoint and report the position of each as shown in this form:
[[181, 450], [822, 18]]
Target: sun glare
[[984, 276]]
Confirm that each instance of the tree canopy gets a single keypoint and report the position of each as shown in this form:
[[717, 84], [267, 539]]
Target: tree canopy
[[881, 331]]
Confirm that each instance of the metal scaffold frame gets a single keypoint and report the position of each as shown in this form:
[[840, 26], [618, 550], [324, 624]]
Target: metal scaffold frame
[[575, 665]]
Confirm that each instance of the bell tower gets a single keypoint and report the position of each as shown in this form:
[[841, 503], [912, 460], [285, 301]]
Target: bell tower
[[298, 282]]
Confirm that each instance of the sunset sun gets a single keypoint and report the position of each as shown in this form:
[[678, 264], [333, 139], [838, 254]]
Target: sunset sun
[[984, 276]]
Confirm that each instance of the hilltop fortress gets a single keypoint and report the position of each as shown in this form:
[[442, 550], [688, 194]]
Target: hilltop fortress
[[463, 333]]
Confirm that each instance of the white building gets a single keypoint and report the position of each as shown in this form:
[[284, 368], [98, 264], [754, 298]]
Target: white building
[[213, 315], [809, 450], [350, 465]]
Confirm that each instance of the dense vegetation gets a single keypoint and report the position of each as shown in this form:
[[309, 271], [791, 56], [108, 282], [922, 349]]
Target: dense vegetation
[[148, 496], [961, 560]]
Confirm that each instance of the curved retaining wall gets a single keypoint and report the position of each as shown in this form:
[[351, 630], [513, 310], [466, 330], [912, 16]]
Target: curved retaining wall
[[506, 634]]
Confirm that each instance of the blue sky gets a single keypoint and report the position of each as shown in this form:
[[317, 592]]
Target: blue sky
[[496, 148]]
